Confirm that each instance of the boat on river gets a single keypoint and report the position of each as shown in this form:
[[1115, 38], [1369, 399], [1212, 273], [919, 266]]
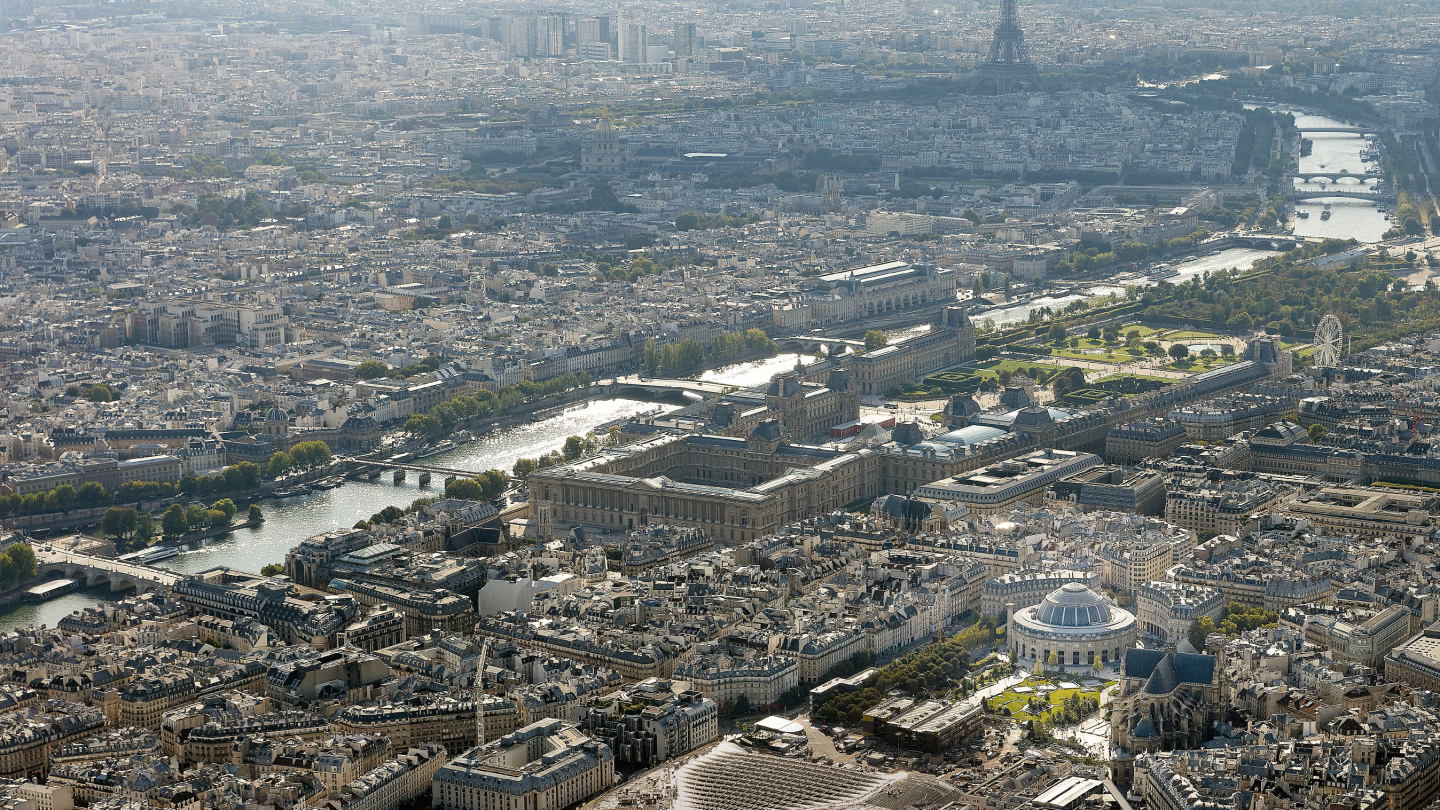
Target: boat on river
[[149, 556], [291, 492], [436, 449]]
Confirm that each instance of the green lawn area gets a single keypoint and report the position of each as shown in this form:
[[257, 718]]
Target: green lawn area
[[1016, 701], [1136, 376], [992, 368], [1120, 355], [1146, 332], [1300, 349], [1198, 366], [1188, 335]]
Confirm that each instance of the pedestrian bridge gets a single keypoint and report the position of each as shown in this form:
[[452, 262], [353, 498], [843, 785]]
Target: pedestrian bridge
[[95, 571], [1355, 130]]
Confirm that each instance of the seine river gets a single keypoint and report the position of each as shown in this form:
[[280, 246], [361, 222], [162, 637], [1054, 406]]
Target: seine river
[[1336, 151]]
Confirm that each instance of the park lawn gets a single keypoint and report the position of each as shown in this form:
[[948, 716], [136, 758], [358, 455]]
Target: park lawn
[[1146, 332], [1201, 366], [1120, 356], [992, 368], [1188, 335], [1123, 375], [1015, 701]]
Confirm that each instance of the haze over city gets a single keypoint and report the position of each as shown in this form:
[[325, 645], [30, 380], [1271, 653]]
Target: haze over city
[[776, 405]]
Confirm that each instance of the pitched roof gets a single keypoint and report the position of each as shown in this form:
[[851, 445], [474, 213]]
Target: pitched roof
[[1173, 669]]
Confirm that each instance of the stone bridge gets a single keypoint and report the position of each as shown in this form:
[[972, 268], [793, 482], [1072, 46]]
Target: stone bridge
[[661, 390], [1374, 195], [1310, 177], [93, 571], [807, 344]]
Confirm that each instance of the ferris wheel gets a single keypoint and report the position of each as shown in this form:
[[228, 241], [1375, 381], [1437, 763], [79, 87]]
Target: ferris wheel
[[1329, 337]]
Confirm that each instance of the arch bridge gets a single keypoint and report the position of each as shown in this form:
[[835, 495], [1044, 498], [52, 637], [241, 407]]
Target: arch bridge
[[806, 344], [1306, 194], [94, 571], [661, 390], [1335, 177]]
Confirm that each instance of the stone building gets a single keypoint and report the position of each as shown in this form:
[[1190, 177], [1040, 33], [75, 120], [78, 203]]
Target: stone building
[[1166, 701], [951, 343], [548, 764], [1074, 624]]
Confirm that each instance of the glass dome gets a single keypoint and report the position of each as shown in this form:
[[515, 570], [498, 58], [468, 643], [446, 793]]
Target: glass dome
[[1074, 605]]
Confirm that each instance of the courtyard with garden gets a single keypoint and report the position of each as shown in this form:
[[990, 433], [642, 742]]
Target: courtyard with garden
[[1058, 699]]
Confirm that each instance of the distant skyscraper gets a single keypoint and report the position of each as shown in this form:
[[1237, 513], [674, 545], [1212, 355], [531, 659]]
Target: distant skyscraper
[[592, 29], [1008, 67], [633, 39], [531, 35], [550, 30], [684, 45]]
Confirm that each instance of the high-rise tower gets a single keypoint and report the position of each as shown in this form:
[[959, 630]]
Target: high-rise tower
[[1008, 67]]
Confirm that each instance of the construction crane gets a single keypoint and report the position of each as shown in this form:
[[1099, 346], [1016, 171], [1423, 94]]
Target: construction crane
[[1416, 410]]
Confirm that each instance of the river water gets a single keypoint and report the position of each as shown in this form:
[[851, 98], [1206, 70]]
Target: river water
[[1335, 152]]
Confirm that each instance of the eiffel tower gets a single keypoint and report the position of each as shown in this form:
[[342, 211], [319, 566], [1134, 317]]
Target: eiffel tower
[[1008, 67]]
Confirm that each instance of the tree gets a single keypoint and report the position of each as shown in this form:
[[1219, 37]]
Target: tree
[[1053, 661], [1199, 630], [875, 339], [687, 221], [118, 522], [1179, 351], [1097, 665], [492, 483], [1039, 668], [254, 514], [523, 467], [90, 493], [23, 559], [197, 517], [174, 523], [1316, 431], [466, 489], [226, 507], [370, 369], [445, 223], [1012, 656], [1056, 333], [574, 447], [246, 474], [60, 498], [742, 705], [280, 463], [144, 529], [273, 569], [1093, 333]]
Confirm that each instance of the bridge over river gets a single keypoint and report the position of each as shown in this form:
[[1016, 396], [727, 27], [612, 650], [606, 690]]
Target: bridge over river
[[118, 574]]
